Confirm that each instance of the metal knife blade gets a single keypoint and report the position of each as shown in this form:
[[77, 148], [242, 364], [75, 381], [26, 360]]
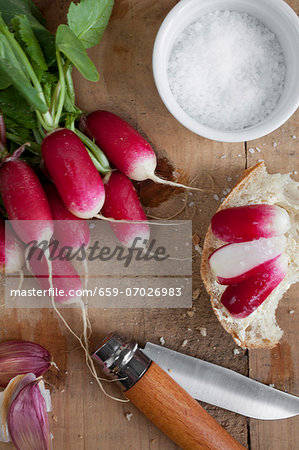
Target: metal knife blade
[[223, 387]]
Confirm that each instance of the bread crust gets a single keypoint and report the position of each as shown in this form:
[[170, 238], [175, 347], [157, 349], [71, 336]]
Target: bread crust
[[210, 244]]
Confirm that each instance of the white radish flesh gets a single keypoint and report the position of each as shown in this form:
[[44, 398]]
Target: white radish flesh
[[233, 263]]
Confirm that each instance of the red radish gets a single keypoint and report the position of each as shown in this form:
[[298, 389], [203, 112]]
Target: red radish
[[25, 201], [246, 223], [74, 174], [122, 203], [69, 230], [65, 280], [243, 298], [11, 251], [124, 147], [233, 263]]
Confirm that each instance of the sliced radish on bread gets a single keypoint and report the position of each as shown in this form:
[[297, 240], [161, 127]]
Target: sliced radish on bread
[[247, 309]]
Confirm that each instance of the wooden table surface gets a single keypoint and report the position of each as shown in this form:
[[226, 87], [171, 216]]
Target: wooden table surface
[[83, 418]]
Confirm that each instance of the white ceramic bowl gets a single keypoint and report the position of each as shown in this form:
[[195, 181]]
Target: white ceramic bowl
[[277, 16]]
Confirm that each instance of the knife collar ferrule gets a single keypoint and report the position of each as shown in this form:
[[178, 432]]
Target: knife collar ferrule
[[121, 360]]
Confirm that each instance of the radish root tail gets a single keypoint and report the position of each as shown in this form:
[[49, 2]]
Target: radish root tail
[[84, 344], [156, 179], [148, 222]]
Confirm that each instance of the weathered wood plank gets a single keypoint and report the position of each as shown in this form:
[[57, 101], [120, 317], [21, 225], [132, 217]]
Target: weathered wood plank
[[279, 366]]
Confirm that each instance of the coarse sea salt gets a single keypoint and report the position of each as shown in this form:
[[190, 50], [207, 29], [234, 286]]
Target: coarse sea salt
[[227, 70]]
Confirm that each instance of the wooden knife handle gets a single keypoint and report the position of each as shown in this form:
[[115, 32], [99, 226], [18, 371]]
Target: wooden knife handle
[[177, 414]]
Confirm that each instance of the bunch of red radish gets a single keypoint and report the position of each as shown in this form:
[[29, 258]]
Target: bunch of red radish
[[78, 191], [252, 263]]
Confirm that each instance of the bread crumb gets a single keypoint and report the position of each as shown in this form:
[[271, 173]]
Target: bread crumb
[[202, 330], [229, 178], [216, 197], [185, 341], [258, 149], [274, 144], [196, 294], [223, 156], [198, 249], [251, 150], [128, 416], [162, 340], [55, 418], [294, 137], [236, 351], [271, 385], [169, 370], [190, 313], [291, 311]]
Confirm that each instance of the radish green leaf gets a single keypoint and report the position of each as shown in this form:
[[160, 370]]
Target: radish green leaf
[[88, 20], [32, 8], [16, 108], [68, 44], [14, 72], [10, 8], [22, 26], [4, 80]]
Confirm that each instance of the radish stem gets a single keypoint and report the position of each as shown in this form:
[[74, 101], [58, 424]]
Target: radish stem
[[98, 166], [34, 147], [96, 151], [70, 85], [45, 117], [60, 88]]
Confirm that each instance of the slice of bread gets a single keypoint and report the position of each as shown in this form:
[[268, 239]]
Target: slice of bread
[[259, 329]]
